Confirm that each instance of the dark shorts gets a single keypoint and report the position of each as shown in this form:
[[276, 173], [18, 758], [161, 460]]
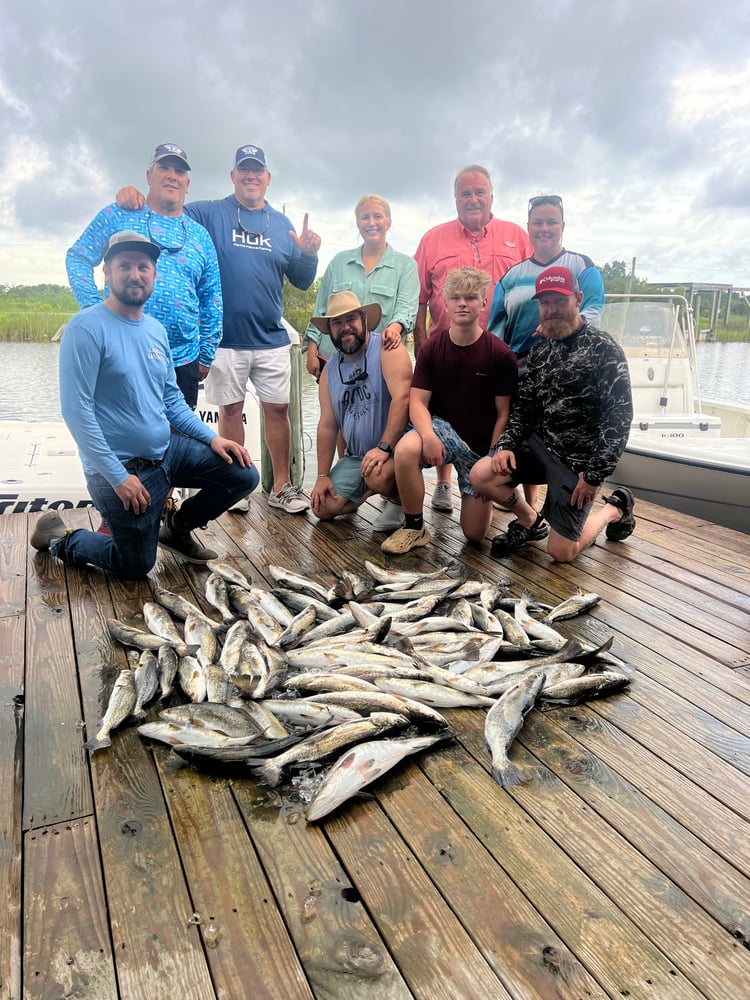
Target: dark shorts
[[535, 464], [188, 377]]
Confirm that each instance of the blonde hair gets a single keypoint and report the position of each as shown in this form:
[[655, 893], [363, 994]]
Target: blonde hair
[[378, 199], [466, 281]]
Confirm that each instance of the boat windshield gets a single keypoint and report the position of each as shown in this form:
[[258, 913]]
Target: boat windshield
[[644, 325]]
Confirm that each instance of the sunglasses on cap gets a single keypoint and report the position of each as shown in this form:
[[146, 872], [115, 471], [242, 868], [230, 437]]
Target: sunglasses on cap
[[546, 199]]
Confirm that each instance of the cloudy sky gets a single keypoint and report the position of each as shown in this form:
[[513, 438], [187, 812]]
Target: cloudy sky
[[636, 111]]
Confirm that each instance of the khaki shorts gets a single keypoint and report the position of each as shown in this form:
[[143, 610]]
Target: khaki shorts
[[269, 371]]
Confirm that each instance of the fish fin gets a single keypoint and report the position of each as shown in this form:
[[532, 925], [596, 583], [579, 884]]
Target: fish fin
[[98, 744], [508, 775]]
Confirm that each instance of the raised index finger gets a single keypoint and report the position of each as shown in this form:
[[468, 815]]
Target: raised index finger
[[304, 223]]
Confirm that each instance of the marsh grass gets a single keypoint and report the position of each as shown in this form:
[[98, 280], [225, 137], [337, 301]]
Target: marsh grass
[[31, 326]]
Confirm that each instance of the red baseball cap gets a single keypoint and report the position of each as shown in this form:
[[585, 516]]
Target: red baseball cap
[[557, 279]]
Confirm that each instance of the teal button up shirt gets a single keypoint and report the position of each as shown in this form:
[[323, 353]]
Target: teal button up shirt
[[393, 283]]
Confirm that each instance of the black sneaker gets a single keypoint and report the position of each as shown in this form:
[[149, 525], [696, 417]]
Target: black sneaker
[[537, 532], [183, 542], [622, 498], [514, 538]]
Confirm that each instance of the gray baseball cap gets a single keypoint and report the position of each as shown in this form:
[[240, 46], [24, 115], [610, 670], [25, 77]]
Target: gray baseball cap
[[128, 240]]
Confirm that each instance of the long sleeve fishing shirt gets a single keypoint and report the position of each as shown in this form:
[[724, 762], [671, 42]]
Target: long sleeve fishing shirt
[[576, 396]]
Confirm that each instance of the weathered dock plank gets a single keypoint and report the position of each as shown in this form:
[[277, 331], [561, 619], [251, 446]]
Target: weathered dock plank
[[67, 947], [620, 868]]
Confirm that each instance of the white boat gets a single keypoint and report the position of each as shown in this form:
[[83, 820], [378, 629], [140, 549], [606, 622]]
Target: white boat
[[683, 452], [40, 468]]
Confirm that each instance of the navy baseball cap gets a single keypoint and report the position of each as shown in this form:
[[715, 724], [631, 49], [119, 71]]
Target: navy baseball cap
[[170, 149], [250, 153], [128, 240]]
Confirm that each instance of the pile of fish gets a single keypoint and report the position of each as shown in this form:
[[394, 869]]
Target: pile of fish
[[360, 673]]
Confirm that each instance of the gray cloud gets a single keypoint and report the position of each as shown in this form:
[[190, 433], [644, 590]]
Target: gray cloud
[[347, 98]]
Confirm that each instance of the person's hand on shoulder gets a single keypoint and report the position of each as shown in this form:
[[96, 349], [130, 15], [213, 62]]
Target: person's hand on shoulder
[[391, 336], [130, 198]]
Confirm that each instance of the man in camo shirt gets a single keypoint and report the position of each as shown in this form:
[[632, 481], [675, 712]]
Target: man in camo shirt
[[567, 428]]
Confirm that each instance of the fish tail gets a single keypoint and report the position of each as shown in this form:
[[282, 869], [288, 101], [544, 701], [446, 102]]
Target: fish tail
[[98, 743], [508, 775], [268, 771]]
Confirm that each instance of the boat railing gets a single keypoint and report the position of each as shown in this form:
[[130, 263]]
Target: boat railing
[[676, 335]]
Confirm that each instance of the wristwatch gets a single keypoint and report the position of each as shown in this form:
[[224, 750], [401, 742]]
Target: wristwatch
[[384, 446]]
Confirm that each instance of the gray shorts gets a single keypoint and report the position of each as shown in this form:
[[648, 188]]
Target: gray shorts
[[347, 479], [535, 464]]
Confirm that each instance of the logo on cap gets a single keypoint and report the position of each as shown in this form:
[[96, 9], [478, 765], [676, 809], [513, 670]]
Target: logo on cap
[[250, 153], [556, 279]]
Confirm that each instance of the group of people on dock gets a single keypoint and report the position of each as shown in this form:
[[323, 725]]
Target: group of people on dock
[[513, 385]]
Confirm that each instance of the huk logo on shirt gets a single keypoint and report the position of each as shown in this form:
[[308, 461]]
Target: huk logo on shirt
[[253, 241]]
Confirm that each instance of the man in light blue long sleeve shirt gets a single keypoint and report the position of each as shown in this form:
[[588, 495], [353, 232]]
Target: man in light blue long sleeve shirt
[[136, 435]]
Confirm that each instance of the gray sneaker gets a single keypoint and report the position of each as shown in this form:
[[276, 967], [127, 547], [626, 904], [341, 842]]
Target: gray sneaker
[[49, 527], [289, 500], [183, 542], [442, 497]]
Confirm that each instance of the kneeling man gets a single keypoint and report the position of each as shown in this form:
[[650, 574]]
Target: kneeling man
[[364, 394], [136, 435], [463, 383], [568, 428]]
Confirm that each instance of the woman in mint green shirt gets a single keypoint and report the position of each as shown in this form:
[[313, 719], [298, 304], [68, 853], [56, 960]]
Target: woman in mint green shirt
[[375, 272]]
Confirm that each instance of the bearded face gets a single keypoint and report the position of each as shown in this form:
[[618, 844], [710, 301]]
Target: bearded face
[[558, 315]]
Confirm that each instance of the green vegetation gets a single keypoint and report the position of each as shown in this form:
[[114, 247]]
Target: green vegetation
[[734, 328], [299, 306], [36, 312]]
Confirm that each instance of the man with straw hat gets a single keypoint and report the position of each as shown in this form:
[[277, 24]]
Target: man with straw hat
[[364, 393]]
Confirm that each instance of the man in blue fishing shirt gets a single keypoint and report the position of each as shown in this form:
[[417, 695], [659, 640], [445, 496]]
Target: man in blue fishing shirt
[[136, 435], [187, 298]]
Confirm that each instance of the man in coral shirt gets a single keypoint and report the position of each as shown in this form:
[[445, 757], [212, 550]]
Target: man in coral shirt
[[474, 239]]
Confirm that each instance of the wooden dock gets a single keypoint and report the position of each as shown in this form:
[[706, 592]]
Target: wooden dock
[[620, 869]]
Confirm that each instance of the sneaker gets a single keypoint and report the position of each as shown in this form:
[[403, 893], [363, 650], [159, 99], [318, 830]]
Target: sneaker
[[618, 531], [537, 533], [241, 506], [389, 518], [442, 497], [49, 527], [288, 499], [183, 542], [406, 539], [516, 537]]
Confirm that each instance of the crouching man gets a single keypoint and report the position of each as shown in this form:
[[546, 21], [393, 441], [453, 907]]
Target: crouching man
[[568, 428], [364, 394], [463, 383], [136, 435]]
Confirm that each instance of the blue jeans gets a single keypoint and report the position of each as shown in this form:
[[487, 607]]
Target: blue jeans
[[130, 550]]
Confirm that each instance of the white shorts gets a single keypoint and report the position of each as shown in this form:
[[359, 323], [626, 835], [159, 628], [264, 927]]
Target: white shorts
[[270, 372]]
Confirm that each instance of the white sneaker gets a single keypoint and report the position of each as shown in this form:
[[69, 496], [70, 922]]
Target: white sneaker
[[289, 500], [241, 506], [389, 518], [442, 497]]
